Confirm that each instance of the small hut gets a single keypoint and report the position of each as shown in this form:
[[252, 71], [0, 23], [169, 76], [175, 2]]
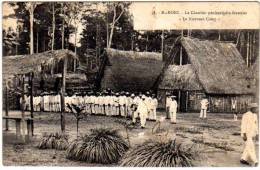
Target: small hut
[[203, 67], [22, 70], [130, 70]]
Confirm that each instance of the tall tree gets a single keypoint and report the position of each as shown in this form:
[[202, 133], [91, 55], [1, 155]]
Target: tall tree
[[30, 6]]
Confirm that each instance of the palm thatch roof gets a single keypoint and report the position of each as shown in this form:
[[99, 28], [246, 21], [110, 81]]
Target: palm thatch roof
[[219, 66], [180, 77], [131, 71], [23, 64]]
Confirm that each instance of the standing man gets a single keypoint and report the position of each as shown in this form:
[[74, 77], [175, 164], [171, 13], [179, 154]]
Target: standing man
[[154, 106], [249, 132], [204, 106], [233, 108], [173, 109], [168, 101], [142, 110], [121, 99]]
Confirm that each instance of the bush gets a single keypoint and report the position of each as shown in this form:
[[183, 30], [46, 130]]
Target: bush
[[158, 154], [56, 140], [101, 146]]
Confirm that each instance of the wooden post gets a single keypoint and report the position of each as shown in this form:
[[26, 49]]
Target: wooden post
[[187, 98], [179, 100], [6, 109], [23, 113], [63, 90], [18, 127], [31, 100]]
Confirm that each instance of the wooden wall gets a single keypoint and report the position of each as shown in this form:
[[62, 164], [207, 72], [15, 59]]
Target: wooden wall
[[190, 102]]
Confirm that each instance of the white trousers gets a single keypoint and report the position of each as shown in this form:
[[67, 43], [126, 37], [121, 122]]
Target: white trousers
[[203, 113], [122, 111], [173, 115], [249, 151], [143, 118]]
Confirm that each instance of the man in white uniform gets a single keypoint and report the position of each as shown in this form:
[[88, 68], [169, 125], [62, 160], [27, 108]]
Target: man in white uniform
[[154, 107], [121, 100], [142, 109], [173, 109], [204, 106], [249, 132], [168, 101]]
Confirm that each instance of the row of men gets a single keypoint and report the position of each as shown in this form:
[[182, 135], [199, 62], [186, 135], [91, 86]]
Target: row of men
[[100, 103]]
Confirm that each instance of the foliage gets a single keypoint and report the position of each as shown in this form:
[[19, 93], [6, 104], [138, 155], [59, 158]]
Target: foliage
[[56, 140], [101, 146], [159, 154]]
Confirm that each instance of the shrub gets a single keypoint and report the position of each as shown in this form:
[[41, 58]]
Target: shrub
[[103, 146], [158, 154], [56, 140]]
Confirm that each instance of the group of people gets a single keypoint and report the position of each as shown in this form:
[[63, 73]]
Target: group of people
[[108, 103]]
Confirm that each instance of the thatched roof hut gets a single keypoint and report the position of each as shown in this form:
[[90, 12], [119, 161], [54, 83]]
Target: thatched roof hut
[[130, 70], [180, 77], [23, 64], [219, 67]]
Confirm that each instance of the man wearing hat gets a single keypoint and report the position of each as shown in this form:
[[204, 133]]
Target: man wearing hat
[[116, 104], [122, 104], [204, 106], [173, 109], [143, 112], [168, 101], [249, 132]]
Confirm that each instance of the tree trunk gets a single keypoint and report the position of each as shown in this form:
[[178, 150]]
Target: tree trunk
[[247, 50], [132, 43], [112, 28], [107, 25], [63, 90], [162, 46], [75, 46], [23, 113], [53, 27], [62, 33], [31, 99], [31, 31], [37, 42]]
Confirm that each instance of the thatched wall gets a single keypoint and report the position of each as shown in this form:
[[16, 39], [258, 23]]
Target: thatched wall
[[219, 66], [181, 78], [131, 71]]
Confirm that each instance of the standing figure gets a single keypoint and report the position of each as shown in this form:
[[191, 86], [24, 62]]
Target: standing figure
[[116, 104], [204, 106], [249, 132], [142, 110], [173, 109], [234, 108], [154, 107], [168, 101]]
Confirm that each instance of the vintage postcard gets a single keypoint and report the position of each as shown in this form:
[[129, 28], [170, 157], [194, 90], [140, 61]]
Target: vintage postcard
[[130, 84]]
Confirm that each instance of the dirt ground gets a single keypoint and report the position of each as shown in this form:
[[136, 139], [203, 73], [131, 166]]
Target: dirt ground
[[217, 138]]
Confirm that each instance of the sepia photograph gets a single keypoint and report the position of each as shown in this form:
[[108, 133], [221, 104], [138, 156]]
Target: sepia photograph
[[85, 84]]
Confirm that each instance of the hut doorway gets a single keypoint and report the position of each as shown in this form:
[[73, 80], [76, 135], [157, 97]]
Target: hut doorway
[[182, 100]]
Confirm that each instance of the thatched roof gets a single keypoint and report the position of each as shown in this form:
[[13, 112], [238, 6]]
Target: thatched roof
[[219, 66], [180, 77], [22, 64], [131, 71]]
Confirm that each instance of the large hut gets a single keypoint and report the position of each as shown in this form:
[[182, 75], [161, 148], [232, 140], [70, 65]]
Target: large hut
[[130, 70], [203, 67]]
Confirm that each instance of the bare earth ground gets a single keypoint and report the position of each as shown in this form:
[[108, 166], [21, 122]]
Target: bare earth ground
[[218, 139]]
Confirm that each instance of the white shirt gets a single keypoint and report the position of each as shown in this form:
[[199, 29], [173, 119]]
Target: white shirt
[[142, 108], [204, 103], [173, 105], [249, 124]]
